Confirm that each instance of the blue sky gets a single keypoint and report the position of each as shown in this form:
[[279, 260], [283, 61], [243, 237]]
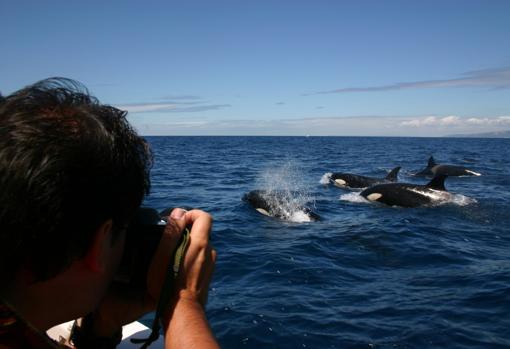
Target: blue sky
[[407, 68]]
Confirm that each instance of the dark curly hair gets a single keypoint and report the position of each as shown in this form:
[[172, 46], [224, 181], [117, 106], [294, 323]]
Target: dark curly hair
[[67, 164]]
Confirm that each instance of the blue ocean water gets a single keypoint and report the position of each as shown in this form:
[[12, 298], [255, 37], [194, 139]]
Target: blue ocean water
[[366, 275]]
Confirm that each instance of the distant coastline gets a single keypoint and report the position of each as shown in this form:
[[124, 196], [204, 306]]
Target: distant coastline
[[496, 134]]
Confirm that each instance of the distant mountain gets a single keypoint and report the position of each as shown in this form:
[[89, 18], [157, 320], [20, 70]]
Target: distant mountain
[[496, 134]]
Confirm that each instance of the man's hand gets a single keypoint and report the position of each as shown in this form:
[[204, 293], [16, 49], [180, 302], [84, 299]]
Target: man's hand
[[196, 271], [186, 324], [196, 274]]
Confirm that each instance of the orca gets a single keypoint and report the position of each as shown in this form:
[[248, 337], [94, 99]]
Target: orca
[[434, 169], [409, 195], [277, 204], [349, 180]]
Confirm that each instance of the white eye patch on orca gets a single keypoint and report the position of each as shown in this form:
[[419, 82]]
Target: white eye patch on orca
[[340, 181], [374, 196], [264, 212]]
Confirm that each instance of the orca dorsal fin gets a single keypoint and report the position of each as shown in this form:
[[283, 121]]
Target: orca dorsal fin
[[432, 162], [392, 176], [437, 182]]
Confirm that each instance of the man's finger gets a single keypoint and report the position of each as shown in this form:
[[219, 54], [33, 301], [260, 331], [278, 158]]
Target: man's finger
[[201, 224]]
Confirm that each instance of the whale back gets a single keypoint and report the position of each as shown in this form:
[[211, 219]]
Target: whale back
[[396, 194]]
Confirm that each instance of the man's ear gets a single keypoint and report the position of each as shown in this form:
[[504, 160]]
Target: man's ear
[[96, 257]]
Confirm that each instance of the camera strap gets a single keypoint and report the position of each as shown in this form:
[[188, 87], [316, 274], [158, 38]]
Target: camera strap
[[166, 290]]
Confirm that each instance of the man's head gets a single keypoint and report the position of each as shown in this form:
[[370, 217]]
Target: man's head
[[67, 165]]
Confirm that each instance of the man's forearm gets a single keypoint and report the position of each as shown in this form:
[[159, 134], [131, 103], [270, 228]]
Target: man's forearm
[[188, 328]]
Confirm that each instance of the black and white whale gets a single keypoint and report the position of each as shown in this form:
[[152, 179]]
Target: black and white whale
[[349, 180], [409, 195], [434, 169], [278, 204]]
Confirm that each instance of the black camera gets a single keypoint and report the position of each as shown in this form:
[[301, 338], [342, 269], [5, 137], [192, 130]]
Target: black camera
[[142, 240]]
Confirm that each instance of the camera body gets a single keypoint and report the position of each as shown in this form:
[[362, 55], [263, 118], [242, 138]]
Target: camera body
[[142, 240]]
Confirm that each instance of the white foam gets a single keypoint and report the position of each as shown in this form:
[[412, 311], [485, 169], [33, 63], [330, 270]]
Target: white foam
[[326, 177], [461, 200], [299, 217], [353, 197]]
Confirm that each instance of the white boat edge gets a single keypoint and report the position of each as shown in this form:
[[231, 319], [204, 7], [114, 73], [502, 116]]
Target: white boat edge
[[62, 332]]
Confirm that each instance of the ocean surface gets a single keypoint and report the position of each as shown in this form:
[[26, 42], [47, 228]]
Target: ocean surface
[[366, 275]]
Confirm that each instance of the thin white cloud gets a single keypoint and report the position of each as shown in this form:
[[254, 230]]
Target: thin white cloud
[[171, 106], [455, 121], [450, 120], [501, 120], [432, 121], [146, 107], [497, 78], [181, 97], [199, 108], [478, 121]]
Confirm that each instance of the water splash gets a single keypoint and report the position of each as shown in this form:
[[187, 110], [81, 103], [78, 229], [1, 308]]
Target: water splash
[[461, 200], [326, 178], [300, 217], [354, 197], [286, 191]]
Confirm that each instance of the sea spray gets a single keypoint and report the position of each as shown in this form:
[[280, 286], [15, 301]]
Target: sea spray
[[326, 178], [286, 191], [353, 197]]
